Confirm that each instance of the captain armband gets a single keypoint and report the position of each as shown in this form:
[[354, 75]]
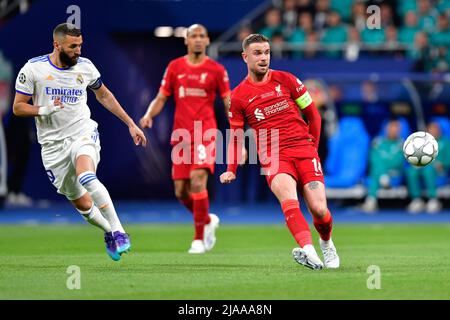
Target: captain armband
[[304, 101]]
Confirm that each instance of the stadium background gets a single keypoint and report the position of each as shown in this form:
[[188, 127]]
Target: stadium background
[[380, 80], [359, 80]]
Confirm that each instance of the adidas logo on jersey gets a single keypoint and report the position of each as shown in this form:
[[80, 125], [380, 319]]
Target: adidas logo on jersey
[[259, 115]]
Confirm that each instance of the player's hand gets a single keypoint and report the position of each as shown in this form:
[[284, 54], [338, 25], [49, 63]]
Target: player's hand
[[244, 156], [146, 122], [137, 135], [227, 177], [49, 110]]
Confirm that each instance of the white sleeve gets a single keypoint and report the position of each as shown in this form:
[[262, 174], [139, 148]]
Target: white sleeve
[[95, 81], [25, 81]]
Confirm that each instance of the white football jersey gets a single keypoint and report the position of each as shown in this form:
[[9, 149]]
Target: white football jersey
[[45, 82]]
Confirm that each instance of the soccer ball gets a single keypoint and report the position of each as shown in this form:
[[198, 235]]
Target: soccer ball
[[420, 149]]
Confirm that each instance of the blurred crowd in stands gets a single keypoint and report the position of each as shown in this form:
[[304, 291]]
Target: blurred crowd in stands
[[415, 29]]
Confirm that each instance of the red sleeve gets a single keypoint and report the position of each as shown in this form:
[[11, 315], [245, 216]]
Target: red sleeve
[[314, 121], [236, 114], [223, 81], [296, 87], [302, 98], [236, 118], [167, 81]]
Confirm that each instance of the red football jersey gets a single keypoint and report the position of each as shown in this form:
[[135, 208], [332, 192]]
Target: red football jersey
[[272, 105], [194, 89]]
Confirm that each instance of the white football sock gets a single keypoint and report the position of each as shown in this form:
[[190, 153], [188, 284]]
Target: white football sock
[[94, 217], [101, 198]]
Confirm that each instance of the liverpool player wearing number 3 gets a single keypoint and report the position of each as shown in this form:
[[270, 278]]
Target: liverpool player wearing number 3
[[193, 80], [269, 102]]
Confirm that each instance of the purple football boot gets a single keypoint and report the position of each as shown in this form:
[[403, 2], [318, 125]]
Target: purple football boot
[[123, 242], [111, 246]]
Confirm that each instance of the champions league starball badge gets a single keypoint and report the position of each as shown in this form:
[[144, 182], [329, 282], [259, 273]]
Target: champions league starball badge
[[22, 78]]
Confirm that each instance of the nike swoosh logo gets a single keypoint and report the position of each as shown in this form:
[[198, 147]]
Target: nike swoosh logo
[[251, 100], [180, 76]]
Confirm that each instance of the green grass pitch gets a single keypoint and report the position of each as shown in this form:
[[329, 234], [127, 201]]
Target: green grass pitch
[[248, 262]]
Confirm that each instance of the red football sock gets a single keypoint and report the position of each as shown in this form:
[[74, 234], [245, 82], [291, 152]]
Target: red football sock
[[324, 226], [296, 222], [201, 215], [188, 203]]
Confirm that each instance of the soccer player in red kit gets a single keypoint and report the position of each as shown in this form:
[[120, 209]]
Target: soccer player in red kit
[[193, 80], [269, 101]]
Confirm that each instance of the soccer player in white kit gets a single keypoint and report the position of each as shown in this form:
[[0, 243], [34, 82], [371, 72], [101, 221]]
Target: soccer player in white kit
[[69, 139]]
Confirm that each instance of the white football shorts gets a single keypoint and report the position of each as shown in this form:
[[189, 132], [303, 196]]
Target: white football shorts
[[59, 162]]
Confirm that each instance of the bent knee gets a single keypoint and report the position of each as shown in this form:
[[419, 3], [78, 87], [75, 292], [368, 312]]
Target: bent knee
[[319, 210], [83, 204], [181, 194]]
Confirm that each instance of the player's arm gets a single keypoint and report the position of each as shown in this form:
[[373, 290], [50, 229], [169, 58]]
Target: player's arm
[[234, 154], [22, 107], [153, 110], [223, 85], [235, 146], [306, 104], [24, 91], [107, 99], [226, 102], [314, 121]]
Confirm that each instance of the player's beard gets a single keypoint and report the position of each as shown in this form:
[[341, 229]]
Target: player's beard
[[67, 60], [260, 73]]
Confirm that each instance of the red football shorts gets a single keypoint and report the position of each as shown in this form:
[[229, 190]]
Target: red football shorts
[[191, 157], [303, 170]]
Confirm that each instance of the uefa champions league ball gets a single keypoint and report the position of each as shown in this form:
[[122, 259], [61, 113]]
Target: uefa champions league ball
[[420, 149]]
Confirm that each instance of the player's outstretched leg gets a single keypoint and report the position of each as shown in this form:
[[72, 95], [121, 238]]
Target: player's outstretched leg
[[285, 189], [306, 254]]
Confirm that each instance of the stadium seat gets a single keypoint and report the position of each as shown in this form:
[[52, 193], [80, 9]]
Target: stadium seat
[[348, 150]]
